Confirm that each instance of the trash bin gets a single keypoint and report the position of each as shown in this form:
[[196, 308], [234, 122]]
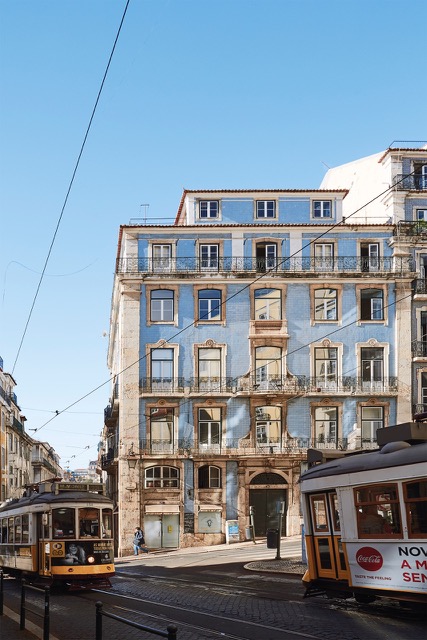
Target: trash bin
[[248, 533], [272, 536]]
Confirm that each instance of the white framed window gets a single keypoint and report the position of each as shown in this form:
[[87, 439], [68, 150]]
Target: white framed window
[[372, 367], [326, 426], [322, 209], [208, 209], [369, 256], [266, 256], [265, 209], [421, 215], [162, 257], [162, 428], [161, 478], [326, 367], [371, 304], [161, 305], [268, 304], [325, 304], [209, 257], [209, 477], [162, 369], [324, 256], [209, 367], [209, 304], [268, 367], [372, 419], [268, 424], [210, 429]]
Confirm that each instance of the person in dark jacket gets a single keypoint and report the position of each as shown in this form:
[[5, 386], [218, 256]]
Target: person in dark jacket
[[139, 541]]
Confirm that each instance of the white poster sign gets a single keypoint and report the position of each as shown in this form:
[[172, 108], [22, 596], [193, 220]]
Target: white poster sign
[[400, 566]]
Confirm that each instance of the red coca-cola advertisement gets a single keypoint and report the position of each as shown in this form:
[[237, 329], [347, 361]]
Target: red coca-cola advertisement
[[390, 565], [369, 559]]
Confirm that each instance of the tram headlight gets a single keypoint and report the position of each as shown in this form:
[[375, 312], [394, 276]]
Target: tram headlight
[[90, 559]]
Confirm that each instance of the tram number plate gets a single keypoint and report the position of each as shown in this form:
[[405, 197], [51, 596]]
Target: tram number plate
[[57, 549]]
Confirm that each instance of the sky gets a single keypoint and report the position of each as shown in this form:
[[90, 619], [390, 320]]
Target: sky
[[200, 94]]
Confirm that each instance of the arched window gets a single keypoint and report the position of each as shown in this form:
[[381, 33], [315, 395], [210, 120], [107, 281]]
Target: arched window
[[162, 478], [209, 477]]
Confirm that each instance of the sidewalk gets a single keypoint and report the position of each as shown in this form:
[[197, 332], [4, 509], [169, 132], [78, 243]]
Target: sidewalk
[[9, 627]]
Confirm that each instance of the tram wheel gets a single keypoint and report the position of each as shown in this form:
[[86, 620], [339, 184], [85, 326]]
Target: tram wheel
[[363, 598]]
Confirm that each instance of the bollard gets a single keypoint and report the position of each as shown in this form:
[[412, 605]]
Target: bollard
[[98, 628], [172, 631], [46, 617], [22, 616]]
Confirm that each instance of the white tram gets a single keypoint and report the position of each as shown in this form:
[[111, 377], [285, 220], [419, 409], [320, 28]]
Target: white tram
[[365, 520], [59, 533]]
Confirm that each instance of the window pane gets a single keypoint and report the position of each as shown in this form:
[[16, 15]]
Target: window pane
[[267, 304], [325, 303]]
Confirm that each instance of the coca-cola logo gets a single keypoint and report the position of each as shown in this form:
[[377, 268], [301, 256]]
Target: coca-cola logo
[[369, 559]]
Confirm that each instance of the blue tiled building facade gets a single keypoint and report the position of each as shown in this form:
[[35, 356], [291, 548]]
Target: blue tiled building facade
[[258, 325]]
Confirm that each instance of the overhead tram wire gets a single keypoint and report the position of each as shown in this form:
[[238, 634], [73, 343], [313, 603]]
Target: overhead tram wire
[[263, 275], [76, 166]]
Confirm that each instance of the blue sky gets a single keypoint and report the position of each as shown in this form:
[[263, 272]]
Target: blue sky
[[201, 94]]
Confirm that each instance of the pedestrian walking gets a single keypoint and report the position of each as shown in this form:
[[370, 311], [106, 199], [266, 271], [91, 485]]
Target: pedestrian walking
[[139, 541]]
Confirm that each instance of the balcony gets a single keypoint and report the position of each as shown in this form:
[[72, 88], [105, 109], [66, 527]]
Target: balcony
[[411, 229], [282, 267], [164, 386], [109, 459], [344, 385], [212, 384], [286, 445], [413, 182], [419, 349]]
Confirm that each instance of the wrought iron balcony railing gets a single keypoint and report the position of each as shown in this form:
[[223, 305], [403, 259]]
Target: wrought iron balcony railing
[[212, 384], [408, 228], [162, 385], [282, 266], [420, 286], [273, 384], [307, 384], [248, 446], [109, 458], [413, 182], [419, 349]]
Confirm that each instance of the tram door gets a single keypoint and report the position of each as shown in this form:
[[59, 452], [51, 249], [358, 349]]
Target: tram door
[[43, 551], [329, 554]]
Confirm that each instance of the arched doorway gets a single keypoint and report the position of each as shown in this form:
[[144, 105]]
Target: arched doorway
[[266, 492]]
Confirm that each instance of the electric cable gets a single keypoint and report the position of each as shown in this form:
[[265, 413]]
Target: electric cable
[[76, 166], [254, 281]]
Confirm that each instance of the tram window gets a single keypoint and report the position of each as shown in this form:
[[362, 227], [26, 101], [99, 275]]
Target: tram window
[[333, 498], [63, 522], [25, 528], [3, 530], [324, 553], [88, 523], [378, 513], [318, 510], [10, 531], [107, 523], [18, 529], [416, 508]]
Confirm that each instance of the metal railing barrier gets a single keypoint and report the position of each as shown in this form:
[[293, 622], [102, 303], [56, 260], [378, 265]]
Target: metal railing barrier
[[170, 632], [45, 615]]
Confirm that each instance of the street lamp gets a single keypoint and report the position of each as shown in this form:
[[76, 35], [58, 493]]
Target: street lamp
[[132, 458]]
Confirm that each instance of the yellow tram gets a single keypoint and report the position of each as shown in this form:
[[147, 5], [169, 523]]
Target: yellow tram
[[365, 520], [59, 533]]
